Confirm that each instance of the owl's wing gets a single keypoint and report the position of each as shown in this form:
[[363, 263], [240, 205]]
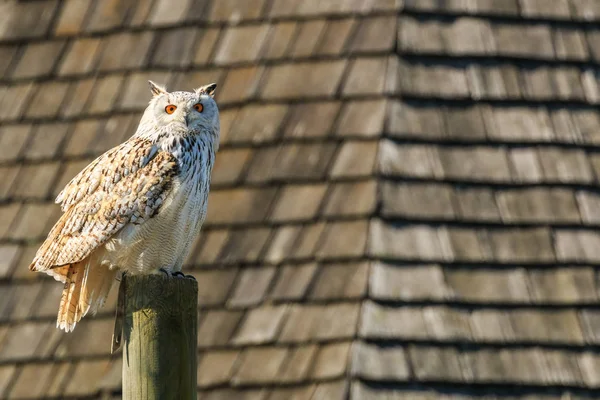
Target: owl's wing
[[127, 184]]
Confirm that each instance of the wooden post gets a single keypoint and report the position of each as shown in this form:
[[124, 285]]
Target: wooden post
[[160, 332]]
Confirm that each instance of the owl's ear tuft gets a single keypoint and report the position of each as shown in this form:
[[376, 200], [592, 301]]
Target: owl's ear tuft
[[156, 90], [207, 89]]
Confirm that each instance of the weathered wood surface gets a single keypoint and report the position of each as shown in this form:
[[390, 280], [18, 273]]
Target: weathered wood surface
[[160, 338]]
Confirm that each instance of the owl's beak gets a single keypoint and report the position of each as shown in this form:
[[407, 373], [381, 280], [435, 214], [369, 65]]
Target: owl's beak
[[186, 119]]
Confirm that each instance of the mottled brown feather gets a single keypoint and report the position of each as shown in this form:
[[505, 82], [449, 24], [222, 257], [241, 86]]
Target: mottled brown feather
[[126, 184]]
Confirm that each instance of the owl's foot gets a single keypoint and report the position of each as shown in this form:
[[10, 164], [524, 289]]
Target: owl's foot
[[176, 274], [167, 273], [180, 274]]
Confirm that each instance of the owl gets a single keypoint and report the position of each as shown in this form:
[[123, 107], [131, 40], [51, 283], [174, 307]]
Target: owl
[[138, 207]]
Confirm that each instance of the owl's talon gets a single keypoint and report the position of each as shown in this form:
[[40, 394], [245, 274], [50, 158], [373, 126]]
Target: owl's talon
[[190, 277], [167, 273]]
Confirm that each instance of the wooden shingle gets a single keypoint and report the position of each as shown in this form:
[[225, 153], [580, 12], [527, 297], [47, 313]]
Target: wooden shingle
[[216, 367], [419, 36], [557, 285], [22, 341], [229, 166], [206, 40], [569, 44], [251, 287], [355, 159], [45, 141], [532, 41], [216, 327], [577, 245], [389, 322], [33, 221], [308, 36], [261, 325], [244, 245], [476, 204], [343, 239], [38, 60], [373, 34], [421, 121], [100, 330], [12, 141], [495, 82], [535, 205], [239, 44], [313, 119], [32, 381], [303, 79], [490, 325], [82, 370], [13, 101], [467, 36], [305, 322], [488, 286], [522, 245], [8, 257], [306, 200], [335, 37], [407, 282], [240, 84], [417, 200], [299, 364], [420, 161], [565, 165], [363, 195], [293, 281], [235, 11], [174, 48], [434, 80], [435, 364], [373, 362], [260, 365], [366, 76], [214, 286], [251, 205], [282, 243], [543, 326], [125, 50], [109, 15], [72, 16], [256, 124], [331, 361], [537, 8], [475, 163], [340, 281], [168, 12], [525, 366], [408, 242], [279, 40]]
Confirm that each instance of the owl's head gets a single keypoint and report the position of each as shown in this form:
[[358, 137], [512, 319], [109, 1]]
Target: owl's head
[[183, 112]]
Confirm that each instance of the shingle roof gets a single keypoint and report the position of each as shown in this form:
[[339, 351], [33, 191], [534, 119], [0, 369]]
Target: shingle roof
[[404, 204]]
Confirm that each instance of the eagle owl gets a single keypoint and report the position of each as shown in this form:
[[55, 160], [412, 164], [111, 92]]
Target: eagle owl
[[136, 208]]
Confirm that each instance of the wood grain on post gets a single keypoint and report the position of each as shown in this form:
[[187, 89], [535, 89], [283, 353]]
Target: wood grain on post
[[160, 339]]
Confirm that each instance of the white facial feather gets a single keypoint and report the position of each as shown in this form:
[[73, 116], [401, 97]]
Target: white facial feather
[[185, 119]]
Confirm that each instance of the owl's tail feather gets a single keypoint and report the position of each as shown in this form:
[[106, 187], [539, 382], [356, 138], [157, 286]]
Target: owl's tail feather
[[99, 279], [86, 287], [69, 312]]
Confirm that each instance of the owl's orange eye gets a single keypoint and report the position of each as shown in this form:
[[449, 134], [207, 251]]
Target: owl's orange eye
[[198, 107], [170, 109]]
